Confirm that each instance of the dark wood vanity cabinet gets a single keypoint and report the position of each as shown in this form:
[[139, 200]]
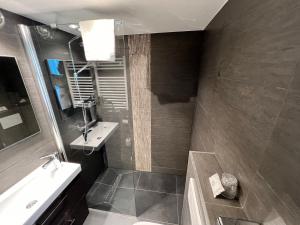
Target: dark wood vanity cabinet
[[70, 208]]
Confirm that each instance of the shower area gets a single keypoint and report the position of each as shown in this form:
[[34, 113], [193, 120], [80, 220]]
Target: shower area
[[90, 103]]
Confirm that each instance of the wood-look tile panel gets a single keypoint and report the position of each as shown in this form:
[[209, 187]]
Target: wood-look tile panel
[[139, 66]]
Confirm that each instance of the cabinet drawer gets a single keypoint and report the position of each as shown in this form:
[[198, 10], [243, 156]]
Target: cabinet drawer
[[54, 212]]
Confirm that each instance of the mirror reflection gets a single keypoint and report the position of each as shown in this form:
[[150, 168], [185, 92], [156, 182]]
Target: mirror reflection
[[17, 118]]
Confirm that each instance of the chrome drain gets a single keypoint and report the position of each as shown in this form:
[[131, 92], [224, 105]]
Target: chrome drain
[[30, 204]]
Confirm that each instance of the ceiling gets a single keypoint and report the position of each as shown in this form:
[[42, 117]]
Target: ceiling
[[139, 16]]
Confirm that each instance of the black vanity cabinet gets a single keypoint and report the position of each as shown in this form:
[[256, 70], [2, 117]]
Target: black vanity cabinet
[[70, 208]]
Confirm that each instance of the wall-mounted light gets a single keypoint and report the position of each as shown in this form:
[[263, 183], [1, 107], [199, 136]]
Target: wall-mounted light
[[98, 38]]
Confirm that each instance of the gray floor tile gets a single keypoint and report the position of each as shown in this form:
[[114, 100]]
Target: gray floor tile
[[179, 207], [109, 177], [122, 171], [98, 194], [158, 196], [103, 206], [157, 182], [92, 189], [180, 184], [156, 206], [129, 180], [124, 201]]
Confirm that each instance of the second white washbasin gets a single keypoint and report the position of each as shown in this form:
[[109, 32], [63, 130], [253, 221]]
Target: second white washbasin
[[97, 136]]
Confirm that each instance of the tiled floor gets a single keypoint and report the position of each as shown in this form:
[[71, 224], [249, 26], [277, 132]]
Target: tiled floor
[[151, 196]]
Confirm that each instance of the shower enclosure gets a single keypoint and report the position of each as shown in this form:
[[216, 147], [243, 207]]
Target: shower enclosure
[[80, 97], [81, 94]]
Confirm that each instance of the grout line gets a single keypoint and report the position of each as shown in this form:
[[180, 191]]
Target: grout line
[[98, 182], [176, 184], [127, 188], [203, 152], [177, 206], [139, 189], [138, 180], [146, 190], [114, 188], [219, 204], [243, 204]]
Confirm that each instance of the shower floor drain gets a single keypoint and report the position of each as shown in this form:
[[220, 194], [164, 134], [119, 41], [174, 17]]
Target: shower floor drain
[[30, 204]]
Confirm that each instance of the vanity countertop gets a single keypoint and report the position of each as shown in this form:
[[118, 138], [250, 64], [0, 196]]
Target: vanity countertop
[[97, 136], [27, 200], [200, 167]]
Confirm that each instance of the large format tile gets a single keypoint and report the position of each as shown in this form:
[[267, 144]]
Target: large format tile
[[99, 194], [167, 112], [180, 184], [179, 207], [157, 169], [156, 206], [168, 159], [124, 201], [157, 182], [247, 109], [264, 205], [174, 75], [152, 204], [171, 138], [282, 158], [129, 180], [125, 178]]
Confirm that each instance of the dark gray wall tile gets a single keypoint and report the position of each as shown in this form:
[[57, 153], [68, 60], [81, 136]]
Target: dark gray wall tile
[[168, 170], [248, 104], [174, 75], [281, 162], [156, 206], [157, 182]]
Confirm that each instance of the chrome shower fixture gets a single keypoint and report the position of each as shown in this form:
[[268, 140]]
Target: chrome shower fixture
[[45, 32], [89, 105]]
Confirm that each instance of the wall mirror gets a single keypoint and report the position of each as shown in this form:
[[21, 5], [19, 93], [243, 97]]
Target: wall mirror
[[17, 117]]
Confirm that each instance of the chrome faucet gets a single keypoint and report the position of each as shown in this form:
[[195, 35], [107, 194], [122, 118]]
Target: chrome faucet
[[51, 158]]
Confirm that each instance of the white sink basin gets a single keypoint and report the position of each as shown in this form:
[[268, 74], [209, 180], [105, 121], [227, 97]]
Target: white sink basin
[[26, 201], [97, 136]]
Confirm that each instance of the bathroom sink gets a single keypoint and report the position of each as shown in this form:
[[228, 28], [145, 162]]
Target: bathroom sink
[[97, 136], [26, 201]]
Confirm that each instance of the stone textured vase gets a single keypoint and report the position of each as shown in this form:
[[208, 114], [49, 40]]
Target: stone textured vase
[[230, 184]]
